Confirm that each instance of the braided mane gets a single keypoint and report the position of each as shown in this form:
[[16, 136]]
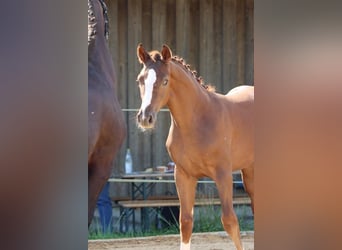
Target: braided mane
[[106, 19], [92, 22], [156, 56], [199, 79]]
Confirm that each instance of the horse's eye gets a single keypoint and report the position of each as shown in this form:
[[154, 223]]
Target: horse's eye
[[165, 82]]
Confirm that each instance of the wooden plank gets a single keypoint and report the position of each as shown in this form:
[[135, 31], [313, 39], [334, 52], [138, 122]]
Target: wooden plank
[[113, 44], [217, 43], [136, 140], [249, 42], [159, 18], [121, 50], [229, 45], [205, 35], [182, 28], [175, 202], [161, 27], [170, 36], [120, 180], [193, 56], [163, 203], [123, 72], [119, 24], [240, 27], [113, 40], [146, 36], [145, 139]]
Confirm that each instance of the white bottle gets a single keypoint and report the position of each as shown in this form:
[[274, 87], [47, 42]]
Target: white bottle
[[128, 162]]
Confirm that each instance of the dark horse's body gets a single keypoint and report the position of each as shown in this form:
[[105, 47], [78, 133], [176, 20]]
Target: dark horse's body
[[106, 126]]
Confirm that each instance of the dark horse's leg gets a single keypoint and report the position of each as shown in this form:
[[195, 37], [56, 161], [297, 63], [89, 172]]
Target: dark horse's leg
[[98, 175], [186, 189], [248, 182], [224, 183]]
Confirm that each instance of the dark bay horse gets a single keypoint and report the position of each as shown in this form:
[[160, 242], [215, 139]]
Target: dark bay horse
[[211, 134], [106, 125]]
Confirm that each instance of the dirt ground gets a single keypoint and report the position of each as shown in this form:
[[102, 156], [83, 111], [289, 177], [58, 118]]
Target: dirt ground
[[200, 241]]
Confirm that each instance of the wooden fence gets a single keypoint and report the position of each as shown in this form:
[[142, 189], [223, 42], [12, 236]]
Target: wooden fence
[[214, 36]]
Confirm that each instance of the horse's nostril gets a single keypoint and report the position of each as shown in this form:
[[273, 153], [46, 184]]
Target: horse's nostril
[[150, 119], [145, 119]]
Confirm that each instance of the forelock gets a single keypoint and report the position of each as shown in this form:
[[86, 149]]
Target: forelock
[[155, 55]]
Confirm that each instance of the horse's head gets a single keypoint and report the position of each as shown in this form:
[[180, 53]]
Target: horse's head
[[153, 82]]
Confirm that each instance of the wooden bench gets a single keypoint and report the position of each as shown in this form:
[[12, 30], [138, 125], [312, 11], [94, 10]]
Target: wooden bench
[[175, 202], [127, 207]]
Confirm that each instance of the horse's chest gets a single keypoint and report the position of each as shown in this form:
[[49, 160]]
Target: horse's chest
[[199, 151]]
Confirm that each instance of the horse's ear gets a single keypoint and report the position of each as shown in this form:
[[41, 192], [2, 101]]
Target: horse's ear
[[142, 54], [166, 53]]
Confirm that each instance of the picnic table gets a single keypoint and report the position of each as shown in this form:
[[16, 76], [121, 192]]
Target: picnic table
[[142, 185]]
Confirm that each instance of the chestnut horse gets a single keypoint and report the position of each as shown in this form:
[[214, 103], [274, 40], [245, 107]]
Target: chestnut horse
[[106, 125], [211, 134]]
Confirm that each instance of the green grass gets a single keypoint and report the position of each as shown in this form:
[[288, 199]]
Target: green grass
[[245, 224], [95, 231], [206, 219]]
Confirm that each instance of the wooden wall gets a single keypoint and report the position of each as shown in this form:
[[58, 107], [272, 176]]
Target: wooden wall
[[214, 36]]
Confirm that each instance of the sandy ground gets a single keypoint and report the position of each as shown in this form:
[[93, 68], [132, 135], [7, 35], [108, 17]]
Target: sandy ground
[[200, 241]]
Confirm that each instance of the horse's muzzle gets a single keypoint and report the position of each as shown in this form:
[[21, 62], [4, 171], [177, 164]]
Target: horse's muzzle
[[146, 120]]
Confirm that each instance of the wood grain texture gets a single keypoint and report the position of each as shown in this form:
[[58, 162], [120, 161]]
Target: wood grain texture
[[214, 36]]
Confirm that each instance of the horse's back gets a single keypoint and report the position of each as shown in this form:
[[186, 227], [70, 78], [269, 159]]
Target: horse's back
[[241, 104], [243, 93]]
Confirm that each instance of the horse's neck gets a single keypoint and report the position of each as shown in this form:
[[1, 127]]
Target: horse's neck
[[187, 97], [99, 59], [101, 71]]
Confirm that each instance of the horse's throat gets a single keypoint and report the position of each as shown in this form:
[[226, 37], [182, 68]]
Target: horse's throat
[[187, 107]]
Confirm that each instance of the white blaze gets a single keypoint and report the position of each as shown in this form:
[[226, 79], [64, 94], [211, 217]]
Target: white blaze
[[149, 83], [185, 246]]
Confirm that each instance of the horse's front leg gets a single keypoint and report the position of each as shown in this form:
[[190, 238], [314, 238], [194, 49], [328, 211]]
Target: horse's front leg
[[186, 189], [224, 183], [97, 177]]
